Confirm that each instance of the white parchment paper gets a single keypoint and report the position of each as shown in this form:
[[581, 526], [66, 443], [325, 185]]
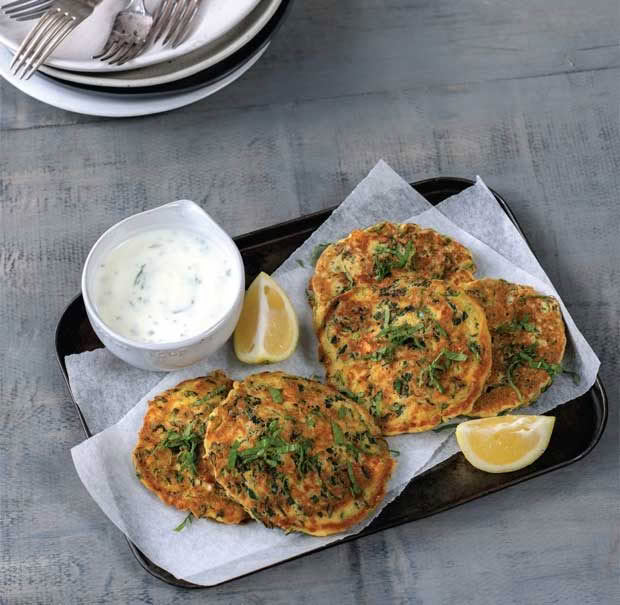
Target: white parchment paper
[[110, 392]]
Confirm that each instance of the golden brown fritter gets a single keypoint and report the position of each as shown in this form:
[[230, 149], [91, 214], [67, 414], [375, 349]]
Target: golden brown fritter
[[528, 342], [386, 250], [169, 454], [297, 454], [413, 353]]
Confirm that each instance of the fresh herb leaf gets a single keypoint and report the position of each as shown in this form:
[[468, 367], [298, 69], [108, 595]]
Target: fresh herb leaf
[[316, 253], [232, 455], [474, 347], [276, 394], [384, 353], [394, 453], [387, 258], [524, 324], [386, 318], [187, 521], [403, 334], [337, 434], [269, 449], [300, 262], [375, 406], [428, 375], [401, 384], [185, 446], [355, 488], [455, 356], [221, 390], [140, 277], [438, 330]]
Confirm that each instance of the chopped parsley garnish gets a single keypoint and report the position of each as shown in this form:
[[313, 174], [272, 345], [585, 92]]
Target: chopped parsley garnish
[[355, 488], [232, 455], [403, 334], [401, 384], [428, 375], [140, 277], [187, 521], [388, 258], [474, 347], [337, 434], [276, 394], [515, 325], [221, 390], [184, 444], [300, 262], [375, 406], [317, 251], [386, 318], [438, 330], [384, 353], [270, 448], [527, 356]]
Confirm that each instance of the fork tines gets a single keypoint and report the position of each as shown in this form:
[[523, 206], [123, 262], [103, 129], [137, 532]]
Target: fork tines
[[53, 27], [175, 18], [23, 10]]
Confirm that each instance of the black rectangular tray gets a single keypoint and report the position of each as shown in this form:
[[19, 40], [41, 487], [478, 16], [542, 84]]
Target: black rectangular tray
[[578, 427]]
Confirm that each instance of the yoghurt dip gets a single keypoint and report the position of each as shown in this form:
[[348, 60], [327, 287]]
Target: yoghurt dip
[[164, 286]]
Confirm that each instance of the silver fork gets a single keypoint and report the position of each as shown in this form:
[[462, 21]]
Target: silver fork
[[24, 10], [53, 27], [128, 36], [174, 17]]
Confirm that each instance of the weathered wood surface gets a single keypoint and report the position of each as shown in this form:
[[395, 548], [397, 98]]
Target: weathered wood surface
[[524, 93]]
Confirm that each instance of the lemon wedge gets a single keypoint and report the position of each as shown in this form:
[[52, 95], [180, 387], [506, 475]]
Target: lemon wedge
[[268, 329], [504, 443]]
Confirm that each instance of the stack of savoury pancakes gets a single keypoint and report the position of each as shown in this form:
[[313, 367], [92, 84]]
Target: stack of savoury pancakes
[[409, 340]]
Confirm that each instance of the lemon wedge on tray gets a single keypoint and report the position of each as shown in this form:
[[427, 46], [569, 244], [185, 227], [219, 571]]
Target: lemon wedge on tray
[[504, 443], [268, 329]]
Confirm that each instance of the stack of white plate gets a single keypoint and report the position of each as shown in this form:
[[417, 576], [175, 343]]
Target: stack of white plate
[[227, 38]]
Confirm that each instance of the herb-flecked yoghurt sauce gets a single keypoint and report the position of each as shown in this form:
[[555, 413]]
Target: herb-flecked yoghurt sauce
[[164, 285]]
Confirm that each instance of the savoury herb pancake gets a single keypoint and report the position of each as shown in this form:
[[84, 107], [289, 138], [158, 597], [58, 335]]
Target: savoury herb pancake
[[413, 353], [386, 250], [169, 454], [528, 342], [297, 454]]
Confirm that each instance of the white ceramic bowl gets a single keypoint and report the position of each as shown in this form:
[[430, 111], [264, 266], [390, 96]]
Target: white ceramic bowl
[[175, 355]]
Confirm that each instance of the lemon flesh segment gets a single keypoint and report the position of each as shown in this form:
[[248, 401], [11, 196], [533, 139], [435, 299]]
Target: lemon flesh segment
[[504, 443], [268, 329]]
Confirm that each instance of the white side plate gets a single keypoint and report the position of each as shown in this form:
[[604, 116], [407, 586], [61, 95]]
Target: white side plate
[[182, 67], [112, 105], [215, 18]]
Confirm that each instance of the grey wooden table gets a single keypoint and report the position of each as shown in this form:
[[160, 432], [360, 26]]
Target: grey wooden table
[[524, 93]]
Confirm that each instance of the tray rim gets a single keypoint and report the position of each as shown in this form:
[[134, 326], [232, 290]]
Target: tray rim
[[168, 578]]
